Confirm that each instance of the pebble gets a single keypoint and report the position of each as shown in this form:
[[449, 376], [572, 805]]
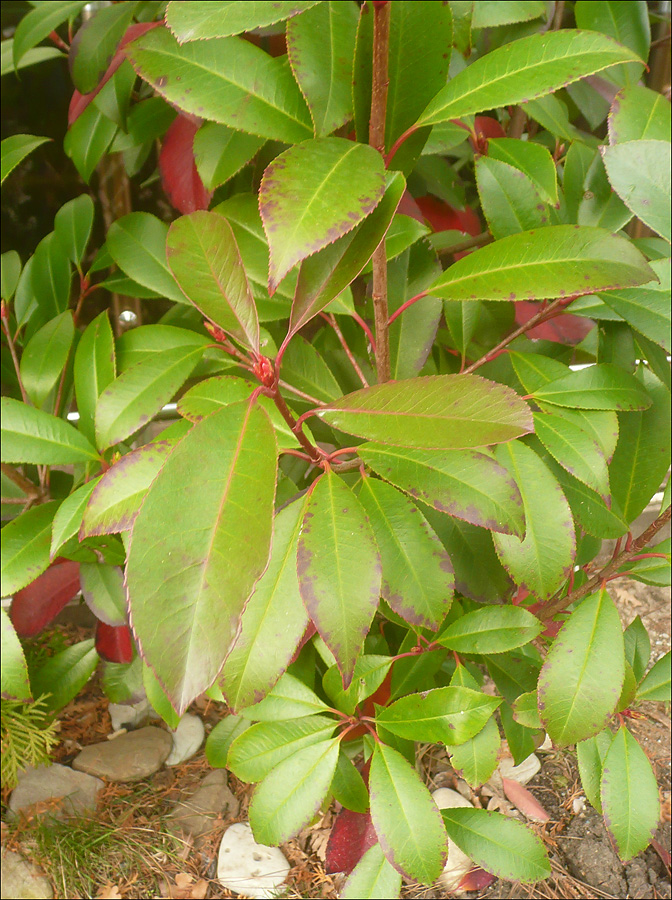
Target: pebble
[[128, 716], [246, 867], [130, 757], [196, 816], [521, 773], [21, 880], [71, 793], [187, 739], [458, 863]]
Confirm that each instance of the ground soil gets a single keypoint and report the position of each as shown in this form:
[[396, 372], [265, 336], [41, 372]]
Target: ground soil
[[584, 863]]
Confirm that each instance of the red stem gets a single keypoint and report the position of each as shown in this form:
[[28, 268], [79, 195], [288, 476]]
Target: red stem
[[404, 306]]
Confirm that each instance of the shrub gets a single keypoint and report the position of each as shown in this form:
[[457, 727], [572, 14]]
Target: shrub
[[417, 336]]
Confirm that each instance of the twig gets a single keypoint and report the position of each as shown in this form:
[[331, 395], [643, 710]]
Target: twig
[[27, 486], [557, 604], [348, 352], [478, 240], [381, 40], [4, 318]]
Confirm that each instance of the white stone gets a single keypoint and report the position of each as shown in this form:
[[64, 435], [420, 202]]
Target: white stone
[[578, 805], [21, 880], [546, 746], [458, 863], [128, 715], [522, 773], [187, 739], [246, 867]]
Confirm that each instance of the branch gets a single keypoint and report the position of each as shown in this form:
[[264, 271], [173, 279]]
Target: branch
[[348, 352], [557, 604], [478, 240], [29, 489]]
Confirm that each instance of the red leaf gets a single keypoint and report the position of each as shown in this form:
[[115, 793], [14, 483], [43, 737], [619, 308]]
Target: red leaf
[[79, 102], [476, 879], [114, 643], [179, 176], [441, 216], [408, 205], [524, 800], [563, 329], [38, 604], [352, 834]]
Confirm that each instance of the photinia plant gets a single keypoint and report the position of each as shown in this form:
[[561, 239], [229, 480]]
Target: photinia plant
[[413, 311]]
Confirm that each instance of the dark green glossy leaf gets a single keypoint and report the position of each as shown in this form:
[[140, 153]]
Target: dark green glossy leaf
[[40, 22], [137, 243], [95, 369], [348, 786], [72, 225], [220, 152], [45, 357], [14, 149], [65, 674], [87, 139]]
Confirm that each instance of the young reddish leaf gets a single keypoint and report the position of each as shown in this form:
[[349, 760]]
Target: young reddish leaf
[[314, 193], [339, 569], [179, 176], [38, 604], [536, 563], [524, 800], [417, 573], [630, 801], [441, 412], [274, 617], [563, 329], [441, 216], [372, 877], [461, 483], [114, 643], [352, 834], [546, 263], [186, 593], [116, 499], [580, 682], [407, 821], [476, 880], [198, 20]]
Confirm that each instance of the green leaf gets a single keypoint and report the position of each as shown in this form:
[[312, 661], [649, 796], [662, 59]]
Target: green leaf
[[476, 759], [210, 513], [525, 69], [50, 276], [520, 739], [117, 497], [94, 370], [417, 574], [305, 369], [68, 519], [655, 571], [535, 563], [514, 673], [339, 569], [406, 819], [33, 436], [45, 357], [637, 647], [204, 259], [222, 390], [260, 748], [462, 483], [450, 715], [441, 411], [197, 20], [598, 205], [220, 152], [509, 200], [65, 674], [544, 264], [534, 160], [588, 508], [87, 139], [95, 43], [373, 878], [221, 738], [628, 24], [370, 672], [15, 684], [133, 398], [289, 797], [348, 786], [325, 274], [226, 80], [492, 629], [103, 591], [137, 243], [604, 386], [14, 149], [137, 344], [72, 224], [490, 13], [639, 463], [274, 616], [498, 844], [581, 680], [525, 710], [647, 308], [321, 47], [159, 701], [639, 172], [638, 113], [629, 795], [590, 754], [289, 699], [575, 450], [30, 58], [40, 22], [656, 684], [10, 271], [313, 194]]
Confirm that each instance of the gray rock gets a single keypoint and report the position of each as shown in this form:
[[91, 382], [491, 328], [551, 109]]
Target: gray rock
[[187, 739], [61, 791], [246, 867], [129, 757], [213, 798], [22, 880], [128, 715]]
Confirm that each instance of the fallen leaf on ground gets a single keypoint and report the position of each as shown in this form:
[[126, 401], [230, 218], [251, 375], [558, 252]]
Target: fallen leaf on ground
[[109, 891], [524, 801]]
